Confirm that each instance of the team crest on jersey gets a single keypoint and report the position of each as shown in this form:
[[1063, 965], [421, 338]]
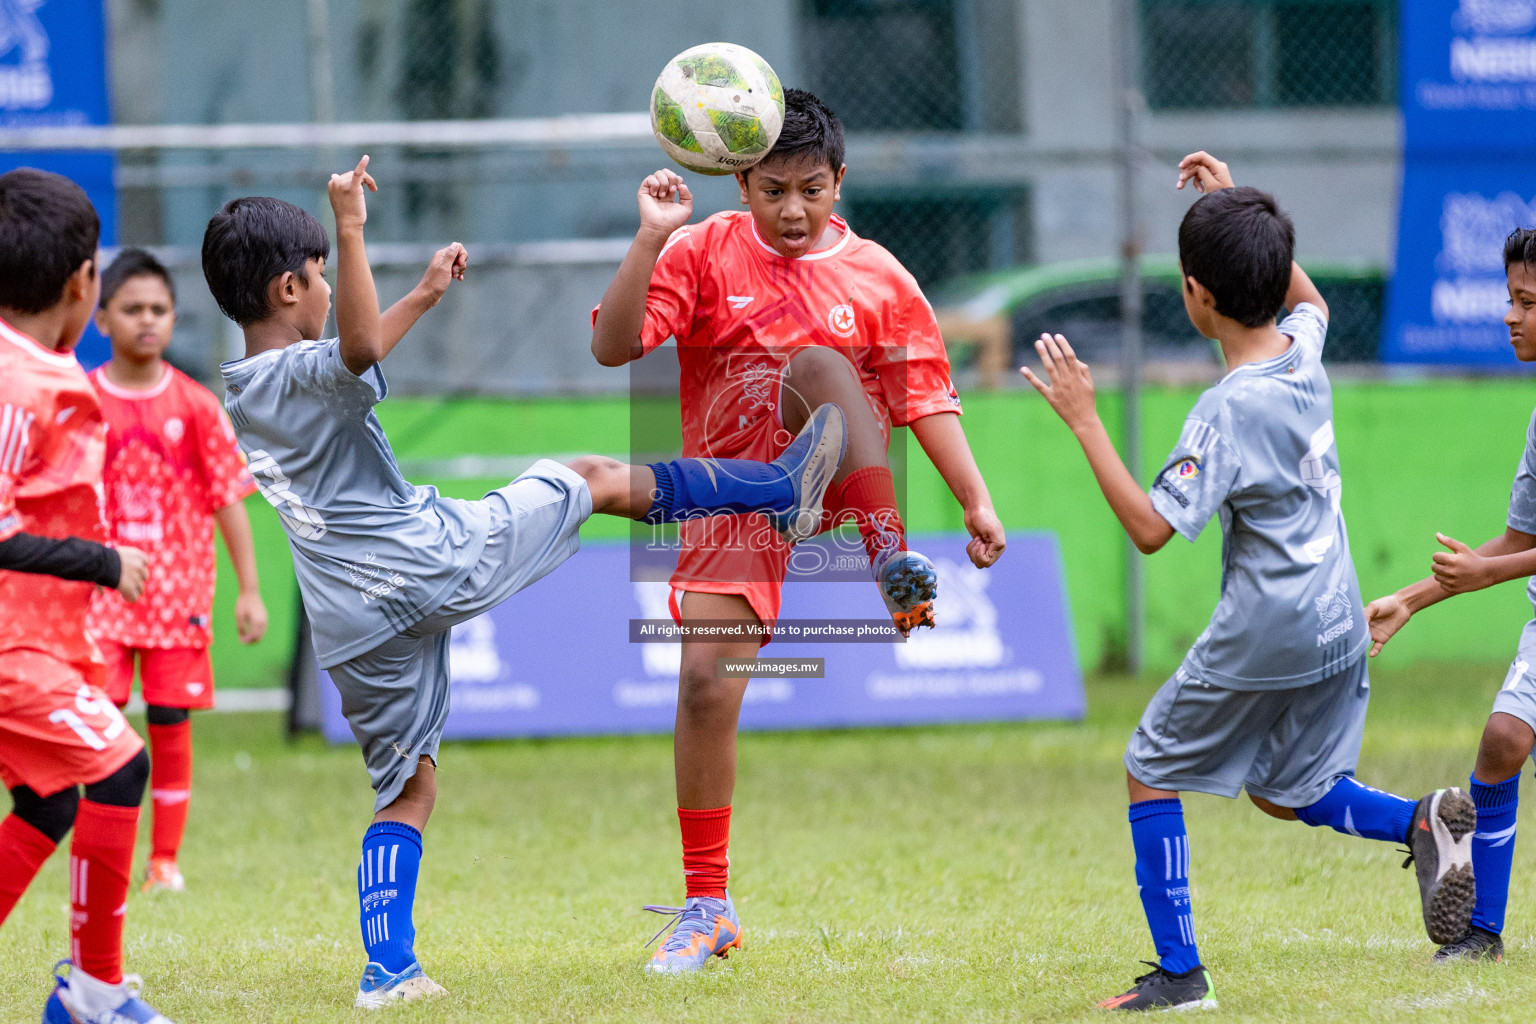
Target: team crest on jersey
[[1188, 469], [841, 320], [174, 429]]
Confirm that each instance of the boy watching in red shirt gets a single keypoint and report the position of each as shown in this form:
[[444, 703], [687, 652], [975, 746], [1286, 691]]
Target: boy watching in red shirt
[[775, 312], [172, 470], [58, 730]]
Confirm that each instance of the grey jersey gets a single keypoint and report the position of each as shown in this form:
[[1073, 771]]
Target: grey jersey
[[1257, 450], [373, 553], [1522, 497]]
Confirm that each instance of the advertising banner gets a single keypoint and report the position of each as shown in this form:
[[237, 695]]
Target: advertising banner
[[583, 652], [53, 73], [1469, 121]]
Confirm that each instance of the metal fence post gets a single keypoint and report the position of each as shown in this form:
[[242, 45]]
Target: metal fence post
[[1128, 103]]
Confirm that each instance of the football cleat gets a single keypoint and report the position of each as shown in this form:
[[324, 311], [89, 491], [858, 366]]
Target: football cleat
[[132, 1010], [1476, 944], [1160, 990], [1440, 849], [702, 927], [163, 876], [810, 461], [908, 584], [379, 988]]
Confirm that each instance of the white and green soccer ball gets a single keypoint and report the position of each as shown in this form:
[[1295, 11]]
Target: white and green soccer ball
[[717, 108]]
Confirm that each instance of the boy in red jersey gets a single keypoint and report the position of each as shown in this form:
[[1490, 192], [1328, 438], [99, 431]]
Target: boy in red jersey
[[777, 311], [172, 470], [58, 730]]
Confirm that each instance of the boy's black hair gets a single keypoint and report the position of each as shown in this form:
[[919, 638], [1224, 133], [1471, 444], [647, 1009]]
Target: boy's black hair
[[130, 263], [810, 130], [1238, 243], [48, 228], [251, 241], [1520, 247]]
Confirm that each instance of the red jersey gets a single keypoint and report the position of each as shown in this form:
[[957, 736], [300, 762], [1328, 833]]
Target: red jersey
[[50, 485], [171, 463], [736, 306]]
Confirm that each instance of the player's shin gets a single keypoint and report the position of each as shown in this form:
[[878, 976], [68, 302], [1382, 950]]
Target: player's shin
[[870, 493], [386, 893], [100, 858], [1359, 810], [23, 849], [693, 488], [706, 850], [1162, 878], [170, 785], [1493, 848]]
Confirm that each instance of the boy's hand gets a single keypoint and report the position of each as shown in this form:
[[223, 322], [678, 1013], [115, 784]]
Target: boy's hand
[[346, 191], [1461, 570], [447, 265], [250, 617], [134, 574], [1070, 390], [658, 213], [1385, 616], [987, 537], [1208, 173]]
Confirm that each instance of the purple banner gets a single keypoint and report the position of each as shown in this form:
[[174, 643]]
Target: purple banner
[[557, 659]]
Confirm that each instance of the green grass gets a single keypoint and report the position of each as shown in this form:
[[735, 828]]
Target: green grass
[[975, 873]]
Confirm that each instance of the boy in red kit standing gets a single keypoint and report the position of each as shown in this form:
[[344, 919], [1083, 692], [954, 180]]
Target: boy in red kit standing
[[777, 311], [172, 470]]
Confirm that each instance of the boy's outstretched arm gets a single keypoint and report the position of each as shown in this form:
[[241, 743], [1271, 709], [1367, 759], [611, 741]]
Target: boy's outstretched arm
[[357, 303], [943, 439], [1458, 570], [1070, 394], [621, 317], [250, 612]]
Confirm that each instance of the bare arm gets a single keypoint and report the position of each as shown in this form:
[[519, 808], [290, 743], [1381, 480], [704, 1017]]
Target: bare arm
[[447, 264], [357, 303], [1302, 289], [621, 317], [1460, 570], [943, 439], [1070, 394], [250, 612]]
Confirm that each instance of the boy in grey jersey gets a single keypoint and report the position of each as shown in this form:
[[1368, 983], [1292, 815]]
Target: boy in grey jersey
[[1272, 696], [1510, 734], [387, 568]]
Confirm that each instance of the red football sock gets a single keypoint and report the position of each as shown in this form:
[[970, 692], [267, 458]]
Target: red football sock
[[871, 494], [170, 785], [706, 850], [22, 852], [100, 859]]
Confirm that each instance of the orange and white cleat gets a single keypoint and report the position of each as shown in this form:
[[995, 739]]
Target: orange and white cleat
[[908, 584], [703, 927], [163, 876]]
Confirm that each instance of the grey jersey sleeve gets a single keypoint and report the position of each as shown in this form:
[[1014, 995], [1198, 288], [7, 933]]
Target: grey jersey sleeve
[[1197, 477], [318, 369], [1308, 326], [1522, 497]]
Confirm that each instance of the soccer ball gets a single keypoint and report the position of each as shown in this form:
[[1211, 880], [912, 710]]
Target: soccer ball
[[717, 108]]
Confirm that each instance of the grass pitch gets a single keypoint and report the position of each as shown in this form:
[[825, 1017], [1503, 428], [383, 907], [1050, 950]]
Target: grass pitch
[[973, 873]]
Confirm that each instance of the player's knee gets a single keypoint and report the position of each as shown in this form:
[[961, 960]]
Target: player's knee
[[605, 477], [155, 714], [53, 816], [124, 787], [701, 693], [1505, 745]]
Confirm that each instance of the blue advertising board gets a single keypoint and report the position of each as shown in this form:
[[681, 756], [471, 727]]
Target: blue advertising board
[[53, 73], [1469, 177], [557, 659]]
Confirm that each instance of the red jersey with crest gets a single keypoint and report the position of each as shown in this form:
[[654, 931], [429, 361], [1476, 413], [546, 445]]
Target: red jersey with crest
[[736, 306], [171, 463], [50, 485]]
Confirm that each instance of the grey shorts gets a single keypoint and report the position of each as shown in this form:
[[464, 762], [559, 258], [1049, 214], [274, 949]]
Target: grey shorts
[[1518, 695], [1286, 746], [395, 696]]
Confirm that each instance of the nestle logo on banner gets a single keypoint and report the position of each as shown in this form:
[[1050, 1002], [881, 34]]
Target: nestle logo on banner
[[476, 668], [25, 82], [1486, 57], [1472, 232]]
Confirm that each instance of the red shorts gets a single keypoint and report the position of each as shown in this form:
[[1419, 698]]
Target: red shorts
[[170, 677], [56, 728]]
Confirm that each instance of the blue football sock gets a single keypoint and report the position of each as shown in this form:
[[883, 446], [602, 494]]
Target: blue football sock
[[386, 892], [1493, 848], [692, 488], [1162, 879], [1356, 809]]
